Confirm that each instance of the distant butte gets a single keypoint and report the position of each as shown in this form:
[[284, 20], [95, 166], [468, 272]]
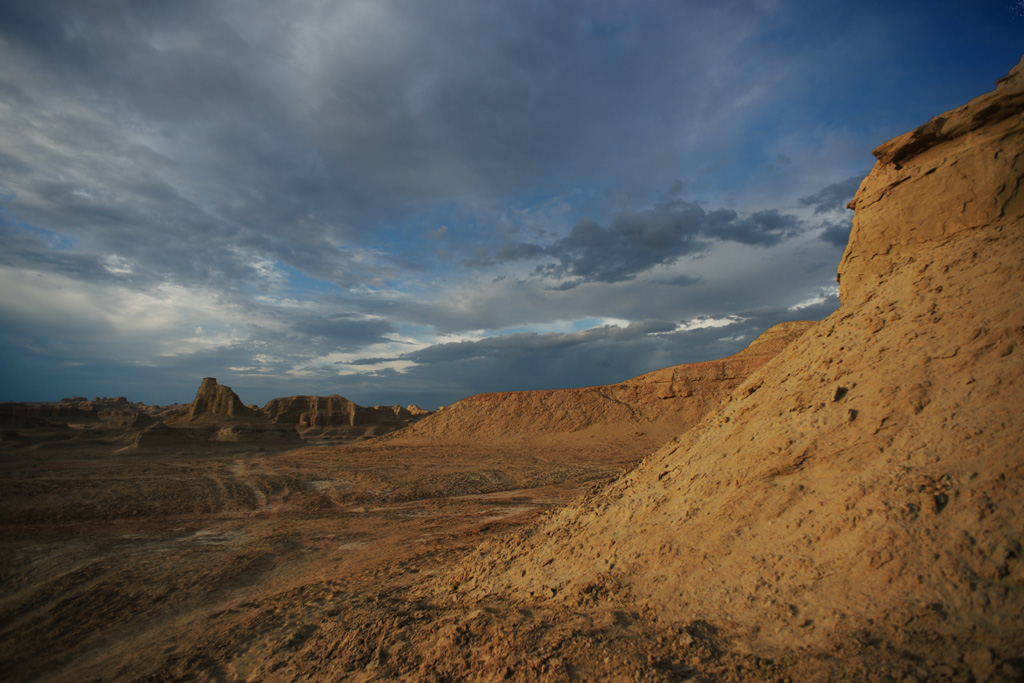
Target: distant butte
[[216, 403]]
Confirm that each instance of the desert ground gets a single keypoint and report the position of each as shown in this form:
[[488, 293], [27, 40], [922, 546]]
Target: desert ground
[[226, 561], [231, 563], [227, 549]]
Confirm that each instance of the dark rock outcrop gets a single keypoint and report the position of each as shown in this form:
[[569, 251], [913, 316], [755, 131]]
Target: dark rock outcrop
[[217, 403], [312, 411]]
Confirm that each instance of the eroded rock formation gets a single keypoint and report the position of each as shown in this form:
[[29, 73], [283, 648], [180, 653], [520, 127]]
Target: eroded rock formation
[[868, 482], [76, 409], [312, 411], [217, 403], [336, 415]]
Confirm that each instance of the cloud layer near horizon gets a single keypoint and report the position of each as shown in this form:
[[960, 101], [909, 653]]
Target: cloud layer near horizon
[[410, 202]]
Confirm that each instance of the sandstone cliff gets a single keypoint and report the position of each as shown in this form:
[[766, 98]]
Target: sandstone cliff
[[866, 485]]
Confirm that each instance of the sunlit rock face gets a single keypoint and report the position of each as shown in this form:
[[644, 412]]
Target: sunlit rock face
[[312, 411], [959, 172], [867, 480], [666, 400]]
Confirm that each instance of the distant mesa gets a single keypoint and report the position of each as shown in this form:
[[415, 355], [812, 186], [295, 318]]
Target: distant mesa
[[71, 410], [332, 418], [215, 414], [339, 417], [312, 411]]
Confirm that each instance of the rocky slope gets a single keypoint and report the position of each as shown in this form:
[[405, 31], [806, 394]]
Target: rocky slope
[[666, 401], [865, 486]]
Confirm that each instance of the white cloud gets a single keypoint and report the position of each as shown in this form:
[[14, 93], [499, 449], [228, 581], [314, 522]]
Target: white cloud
[[819, 298], [703, 323], [118, 316]]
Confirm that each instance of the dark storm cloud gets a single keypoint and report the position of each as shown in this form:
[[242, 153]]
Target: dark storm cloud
[[683, 281], [837, 233], [636, 241], [197, 140], [204, 184], [531, 343], [833, 197], [32, 249], [344, 332], [163, 135], [296, 128]]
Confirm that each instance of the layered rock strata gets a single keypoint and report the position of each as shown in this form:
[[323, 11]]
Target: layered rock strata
[[312, 411]]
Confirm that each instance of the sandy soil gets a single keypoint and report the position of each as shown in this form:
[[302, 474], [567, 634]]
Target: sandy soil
[[221, 562], [331, 563]]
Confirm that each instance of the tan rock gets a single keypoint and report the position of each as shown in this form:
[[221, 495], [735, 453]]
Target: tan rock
[[337, 417], [312, 411], [867, 480], [926, 186], [670, 399]]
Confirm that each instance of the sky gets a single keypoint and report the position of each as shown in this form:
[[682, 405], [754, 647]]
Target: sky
[[414, 202]]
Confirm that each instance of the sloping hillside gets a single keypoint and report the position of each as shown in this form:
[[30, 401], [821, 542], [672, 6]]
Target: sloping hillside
[[867, 485], [664, 402]]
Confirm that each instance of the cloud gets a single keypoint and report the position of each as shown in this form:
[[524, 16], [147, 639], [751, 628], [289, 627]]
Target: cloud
[[637, 241], [831, 202], [601, 355], [834, 197], [530, 343], [683, 280], [837, 233], [245, 189]]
